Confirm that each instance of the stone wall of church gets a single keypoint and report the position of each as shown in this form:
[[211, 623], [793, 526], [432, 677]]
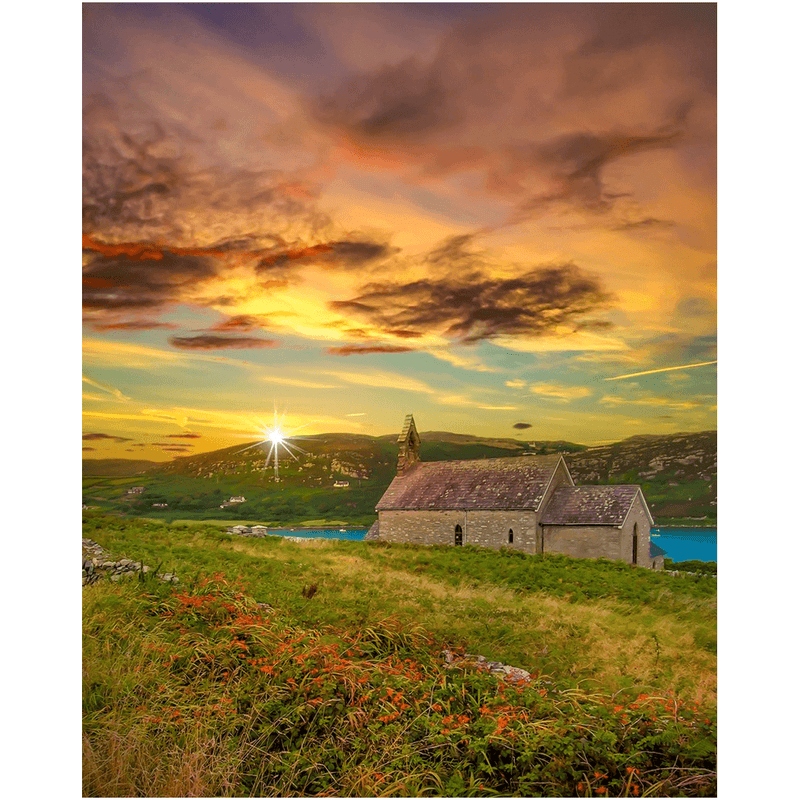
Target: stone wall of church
[[584, 541], [483, 528]]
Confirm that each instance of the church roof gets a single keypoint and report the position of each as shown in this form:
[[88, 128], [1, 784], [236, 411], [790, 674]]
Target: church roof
[[489, 483], [590, 505]]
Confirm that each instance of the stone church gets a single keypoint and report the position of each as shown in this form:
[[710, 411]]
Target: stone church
[[527, 503]]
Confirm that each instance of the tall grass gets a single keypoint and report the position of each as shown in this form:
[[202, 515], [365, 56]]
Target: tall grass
[[240, 685], [202, 692]]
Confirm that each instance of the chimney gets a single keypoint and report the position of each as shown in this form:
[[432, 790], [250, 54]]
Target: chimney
[[409, 446]]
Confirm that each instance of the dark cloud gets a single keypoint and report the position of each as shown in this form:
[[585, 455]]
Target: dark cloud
[[139, 276], [402, 100], [594, 325], [346, 254], [133, 325], [172, 448], [471, 306], [240, 322], [456, 252], [644, 224], [405, 334], [351, 350], [521, 425], [574, 164], [144, 178], [224, 300], [93, 437], [356, 333], [620, 51], [211, 342], [183, 436], [126, 180], [502, 95], [88, 448]]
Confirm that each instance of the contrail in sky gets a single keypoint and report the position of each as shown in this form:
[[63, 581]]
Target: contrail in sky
[[663, 369], [110, 389]]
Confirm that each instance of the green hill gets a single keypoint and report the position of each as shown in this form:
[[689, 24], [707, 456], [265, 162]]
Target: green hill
[[115, 467], [677, 472]]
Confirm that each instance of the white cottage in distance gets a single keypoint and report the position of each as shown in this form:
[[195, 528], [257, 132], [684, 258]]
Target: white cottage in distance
[[528, 504]]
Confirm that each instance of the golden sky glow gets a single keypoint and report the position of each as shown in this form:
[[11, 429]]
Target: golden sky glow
[[476, 213]]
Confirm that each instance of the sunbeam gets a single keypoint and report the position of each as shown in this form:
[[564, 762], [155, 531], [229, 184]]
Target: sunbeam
[[277, 438]]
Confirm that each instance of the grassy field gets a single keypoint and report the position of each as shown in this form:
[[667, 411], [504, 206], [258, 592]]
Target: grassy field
[[308, 669]]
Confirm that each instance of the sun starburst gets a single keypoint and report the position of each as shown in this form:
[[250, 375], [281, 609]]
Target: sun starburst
[[277, 439]]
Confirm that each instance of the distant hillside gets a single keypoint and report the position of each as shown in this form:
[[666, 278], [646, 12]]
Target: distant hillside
[[335, 456], [677, 473], [117, 467]]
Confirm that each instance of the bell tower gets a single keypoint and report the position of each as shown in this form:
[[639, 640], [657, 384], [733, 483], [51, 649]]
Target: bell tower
[[409, 446]]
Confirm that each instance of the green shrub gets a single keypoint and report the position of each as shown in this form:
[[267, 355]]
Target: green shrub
[[702, 567]]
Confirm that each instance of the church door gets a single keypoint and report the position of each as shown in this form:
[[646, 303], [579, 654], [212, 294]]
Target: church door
[[459, 535], [635, 554]]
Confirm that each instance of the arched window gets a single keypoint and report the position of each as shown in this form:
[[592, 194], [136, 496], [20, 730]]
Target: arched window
[[459, 535], [510, 536], [635, 554]]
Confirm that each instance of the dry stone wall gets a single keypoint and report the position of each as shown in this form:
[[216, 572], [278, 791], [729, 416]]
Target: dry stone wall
[[97, 564]]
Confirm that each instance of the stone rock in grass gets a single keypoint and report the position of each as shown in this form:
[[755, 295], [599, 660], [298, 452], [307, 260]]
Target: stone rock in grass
[[517, 675]]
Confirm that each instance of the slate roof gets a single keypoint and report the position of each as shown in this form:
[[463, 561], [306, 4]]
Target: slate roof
[[589, 505], [655, 550], [489, 483]]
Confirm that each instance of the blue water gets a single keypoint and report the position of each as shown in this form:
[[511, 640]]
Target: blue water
[[351, 534], [687, 544], [681, 544]]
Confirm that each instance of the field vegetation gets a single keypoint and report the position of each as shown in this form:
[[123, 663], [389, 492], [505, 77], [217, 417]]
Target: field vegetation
[[277, 668]]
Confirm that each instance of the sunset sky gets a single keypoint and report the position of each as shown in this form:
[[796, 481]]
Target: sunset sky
[[498, 217]]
